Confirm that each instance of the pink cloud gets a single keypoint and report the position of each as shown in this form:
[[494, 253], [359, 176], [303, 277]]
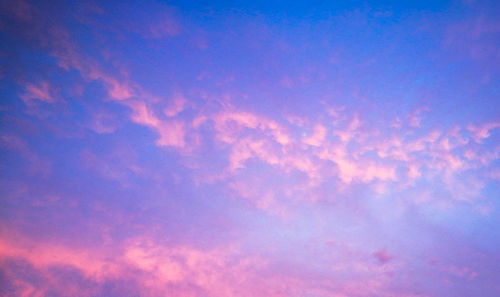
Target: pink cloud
[[143, 115], [482, 132], [317, 137], [41, 91], [414, 117], [350, 131], [154, 268], [229, 124], [248, 135], [259, 196], [178, 104], [117, 90], [157, 269], [42, 256], [171, 132], [357, 170], [414, 171], [382, 256]]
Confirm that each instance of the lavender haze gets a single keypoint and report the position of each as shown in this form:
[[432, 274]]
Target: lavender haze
[[250, 148]]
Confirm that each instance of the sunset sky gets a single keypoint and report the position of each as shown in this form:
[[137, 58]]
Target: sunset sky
[[250, 148]]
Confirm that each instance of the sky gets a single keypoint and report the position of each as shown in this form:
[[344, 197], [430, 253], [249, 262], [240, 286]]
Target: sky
[[249, 148]]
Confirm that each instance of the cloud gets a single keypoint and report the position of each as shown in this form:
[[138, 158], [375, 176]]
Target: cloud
[[317, 137], [171, 132], [154, 269], [116, 90], [382, 256], [350, 130], [350, 170], [249, 136], [41, 91], [42, 256], [229, 123], [177, 105], [479, 133]]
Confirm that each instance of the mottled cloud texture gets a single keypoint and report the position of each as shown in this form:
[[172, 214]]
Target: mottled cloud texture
[[252, 149]]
